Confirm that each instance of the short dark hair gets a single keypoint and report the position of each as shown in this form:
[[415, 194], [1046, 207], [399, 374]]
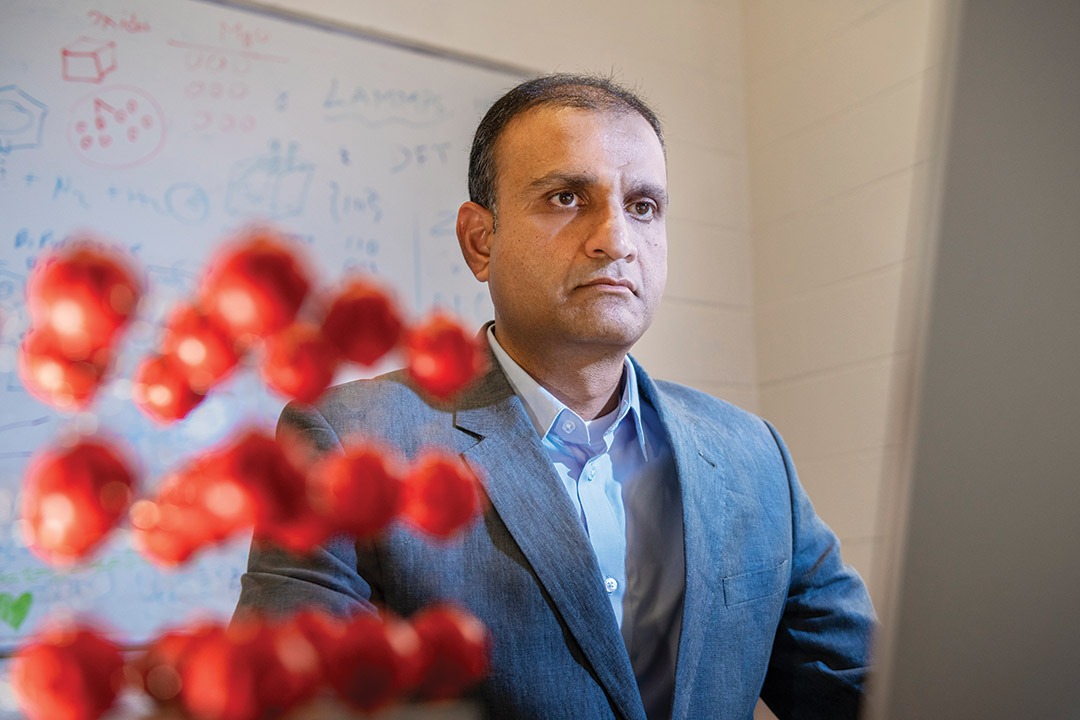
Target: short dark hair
[[588, 92]]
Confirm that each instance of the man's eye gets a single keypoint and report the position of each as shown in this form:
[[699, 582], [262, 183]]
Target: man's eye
[[642, 209], [565, 199]]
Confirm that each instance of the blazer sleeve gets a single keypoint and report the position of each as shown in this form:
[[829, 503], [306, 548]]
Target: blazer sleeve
[[281, 583], [820, 655]]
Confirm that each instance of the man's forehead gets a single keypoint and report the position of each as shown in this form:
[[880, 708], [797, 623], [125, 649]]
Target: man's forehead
[[545, 135], [568, 119]]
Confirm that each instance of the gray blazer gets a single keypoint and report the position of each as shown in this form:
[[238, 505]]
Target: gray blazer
[[769, 609]]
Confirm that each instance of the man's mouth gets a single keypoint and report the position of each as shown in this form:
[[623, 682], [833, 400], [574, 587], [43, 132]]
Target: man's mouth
[[612, 283]]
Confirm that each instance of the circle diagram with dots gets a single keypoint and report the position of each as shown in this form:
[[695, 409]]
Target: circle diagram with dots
[[116, 127]]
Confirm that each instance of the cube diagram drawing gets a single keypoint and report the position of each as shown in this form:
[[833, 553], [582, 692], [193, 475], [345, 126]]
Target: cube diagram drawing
[[88, 60], [271, 185]]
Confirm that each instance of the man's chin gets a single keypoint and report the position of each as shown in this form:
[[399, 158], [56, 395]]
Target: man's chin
[[608, 332]]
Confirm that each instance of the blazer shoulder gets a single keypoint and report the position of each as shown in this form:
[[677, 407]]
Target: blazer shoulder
[[706, 411], [392, 388], [387, 407]]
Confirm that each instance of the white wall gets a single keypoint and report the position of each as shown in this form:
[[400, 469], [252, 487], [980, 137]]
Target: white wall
[[835, 111], [685, 56]]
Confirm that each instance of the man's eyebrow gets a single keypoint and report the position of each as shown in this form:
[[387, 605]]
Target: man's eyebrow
[[556, 179], [650, 190]]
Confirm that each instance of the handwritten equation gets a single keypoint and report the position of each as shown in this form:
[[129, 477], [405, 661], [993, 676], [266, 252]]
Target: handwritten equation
[[126, 21], [182, 201]]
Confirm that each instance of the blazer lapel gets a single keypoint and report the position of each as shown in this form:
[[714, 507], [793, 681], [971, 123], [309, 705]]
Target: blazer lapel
[[531, 501], [697, 467]]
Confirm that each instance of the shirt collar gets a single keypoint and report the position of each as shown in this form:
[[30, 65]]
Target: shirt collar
[[543, 408]]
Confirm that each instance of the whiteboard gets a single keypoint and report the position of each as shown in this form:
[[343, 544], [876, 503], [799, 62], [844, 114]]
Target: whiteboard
[[163, 128]]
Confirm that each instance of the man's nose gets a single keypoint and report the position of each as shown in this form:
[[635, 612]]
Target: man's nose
[[610, 235]]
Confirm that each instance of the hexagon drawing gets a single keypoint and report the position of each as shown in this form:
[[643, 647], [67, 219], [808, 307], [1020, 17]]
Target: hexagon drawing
[[22, 120]]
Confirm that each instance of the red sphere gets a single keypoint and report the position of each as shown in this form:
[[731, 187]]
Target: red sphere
[[303, 531], [162, 390], [363, 323], [364, 669], [359, 491], [220, 678], [300, 362], [299, 665], [72, 497], [256, 286], [166, 533], [53, 378], [200, 345], [196, 506], [441, 495], [457, 648], [325, 632], [224, 503], [256, 461], [70, 673], [85, 294], [159, 668], [411, 654], [251, 670], [443, 359]]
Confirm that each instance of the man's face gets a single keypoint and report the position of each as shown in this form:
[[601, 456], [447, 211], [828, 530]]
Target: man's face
[[579, 252]]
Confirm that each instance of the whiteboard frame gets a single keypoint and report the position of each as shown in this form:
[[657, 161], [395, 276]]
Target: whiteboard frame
[[522, 72]]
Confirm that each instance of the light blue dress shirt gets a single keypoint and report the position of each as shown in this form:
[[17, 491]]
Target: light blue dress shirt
[[620, 476]]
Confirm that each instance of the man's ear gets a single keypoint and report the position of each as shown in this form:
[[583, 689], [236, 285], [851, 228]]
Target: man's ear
[[475, 225]]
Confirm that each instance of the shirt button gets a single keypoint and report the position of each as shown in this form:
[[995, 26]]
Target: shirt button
[[592, 473], [568, 426], [611, 584]]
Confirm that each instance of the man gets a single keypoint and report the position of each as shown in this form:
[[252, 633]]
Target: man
[[648, 551]]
